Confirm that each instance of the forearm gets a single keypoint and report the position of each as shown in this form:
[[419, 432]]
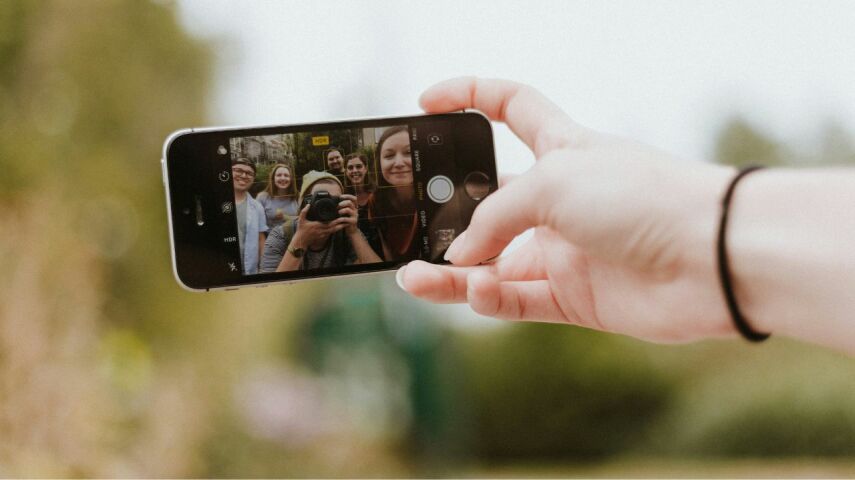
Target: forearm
[[791, 242]]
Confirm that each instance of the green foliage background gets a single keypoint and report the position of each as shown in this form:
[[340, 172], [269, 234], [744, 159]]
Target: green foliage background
[[107, 368]]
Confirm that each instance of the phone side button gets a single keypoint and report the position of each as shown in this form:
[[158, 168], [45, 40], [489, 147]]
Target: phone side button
[[163, 169]]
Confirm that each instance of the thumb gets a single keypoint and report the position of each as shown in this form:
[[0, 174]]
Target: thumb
[[500, 217]]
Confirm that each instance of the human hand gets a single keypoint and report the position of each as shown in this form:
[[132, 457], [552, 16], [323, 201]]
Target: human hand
[[349, 215], [624, 234], [310, 232]]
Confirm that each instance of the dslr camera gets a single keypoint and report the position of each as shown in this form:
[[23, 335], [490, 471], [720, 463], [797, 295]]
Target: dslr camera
[[323, 207]]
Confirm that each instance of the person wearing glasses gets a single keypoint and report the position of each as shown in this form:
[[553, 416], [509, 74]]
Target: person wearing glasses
[[251, 221]]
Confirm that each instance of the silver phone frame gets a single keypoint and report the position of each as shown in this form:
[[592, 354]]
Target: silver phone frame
[[164, 172]]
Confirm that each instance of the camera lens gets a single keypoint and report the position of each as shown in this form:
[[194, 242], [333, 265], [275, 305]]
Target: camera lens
[[326, 209], [477, 185]]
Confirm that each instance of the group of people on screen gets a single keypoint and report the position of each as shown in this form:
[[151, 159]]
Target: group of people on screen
[[376, 221]]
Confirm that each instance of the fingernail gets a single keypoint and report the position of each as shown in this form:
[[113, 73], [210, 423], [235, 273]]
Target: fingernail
[[399, 277], [454, 248]]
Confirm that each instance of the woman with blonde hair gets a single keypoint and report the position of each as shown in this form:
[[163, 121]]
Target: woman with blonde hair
[[279, 197]]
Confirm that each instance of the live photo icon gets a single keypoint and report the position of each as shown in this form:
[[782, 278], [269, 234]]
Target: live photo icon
[[434, 139]]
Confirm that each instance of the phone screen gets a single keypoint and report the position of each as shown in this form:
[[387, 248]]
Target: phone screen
[[409, 185]]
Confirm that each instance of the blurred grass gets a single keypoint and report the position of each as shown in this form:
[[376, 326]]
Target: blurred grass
[[640, 467]]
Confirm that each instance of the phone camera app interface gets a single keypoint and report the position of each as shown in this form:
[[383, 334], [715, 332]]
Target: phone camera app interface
[[324, 200]]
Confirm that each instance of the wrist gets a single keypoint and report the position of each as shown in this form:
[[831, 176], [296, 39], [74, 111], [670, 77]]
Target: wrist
[[792, 255], [745, 327], [297, 241], [704, 190], [767, 248]]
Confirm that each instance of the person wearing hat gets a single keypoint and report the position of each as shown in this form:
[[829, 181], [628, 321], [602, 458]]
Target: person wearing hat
[[303, 244]]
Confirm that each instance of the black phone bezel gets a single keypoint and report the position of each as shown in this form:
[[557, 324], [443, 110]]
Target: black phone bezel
[[199, 257]]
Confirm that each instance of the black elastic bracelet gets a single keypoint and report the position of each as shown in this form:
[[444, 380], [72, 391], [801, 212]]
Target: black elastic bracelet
[[724, 265]]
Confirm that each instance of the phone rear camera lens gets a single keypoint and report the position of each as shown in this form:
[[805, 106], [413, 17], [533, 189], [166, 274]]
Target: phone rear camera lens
[[477, 185]]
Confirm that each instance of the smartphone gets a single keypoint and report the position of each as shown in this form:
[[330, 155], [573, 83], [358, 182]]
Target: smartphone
[[251, 206]]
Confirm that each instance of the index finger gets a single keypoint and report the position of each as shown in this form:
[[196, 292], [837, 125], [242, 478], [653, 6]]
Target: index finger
[[538, 122], [303, 213]]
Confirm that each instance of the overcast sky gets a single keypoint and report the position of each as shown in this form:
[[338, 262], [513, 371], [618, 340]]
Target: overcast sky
[[665, 72]]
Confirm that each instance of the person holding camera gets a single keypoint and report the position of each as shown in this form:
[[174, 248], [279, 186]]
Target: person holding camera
[[324, 235]]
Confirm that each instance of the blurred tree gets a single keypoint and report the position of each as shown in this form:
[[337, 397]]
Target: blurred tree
[[788, 400], [402, 351], [548, 392], [313, 157], [740, 144], [835, 146], [107, 368], [16, 18]]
